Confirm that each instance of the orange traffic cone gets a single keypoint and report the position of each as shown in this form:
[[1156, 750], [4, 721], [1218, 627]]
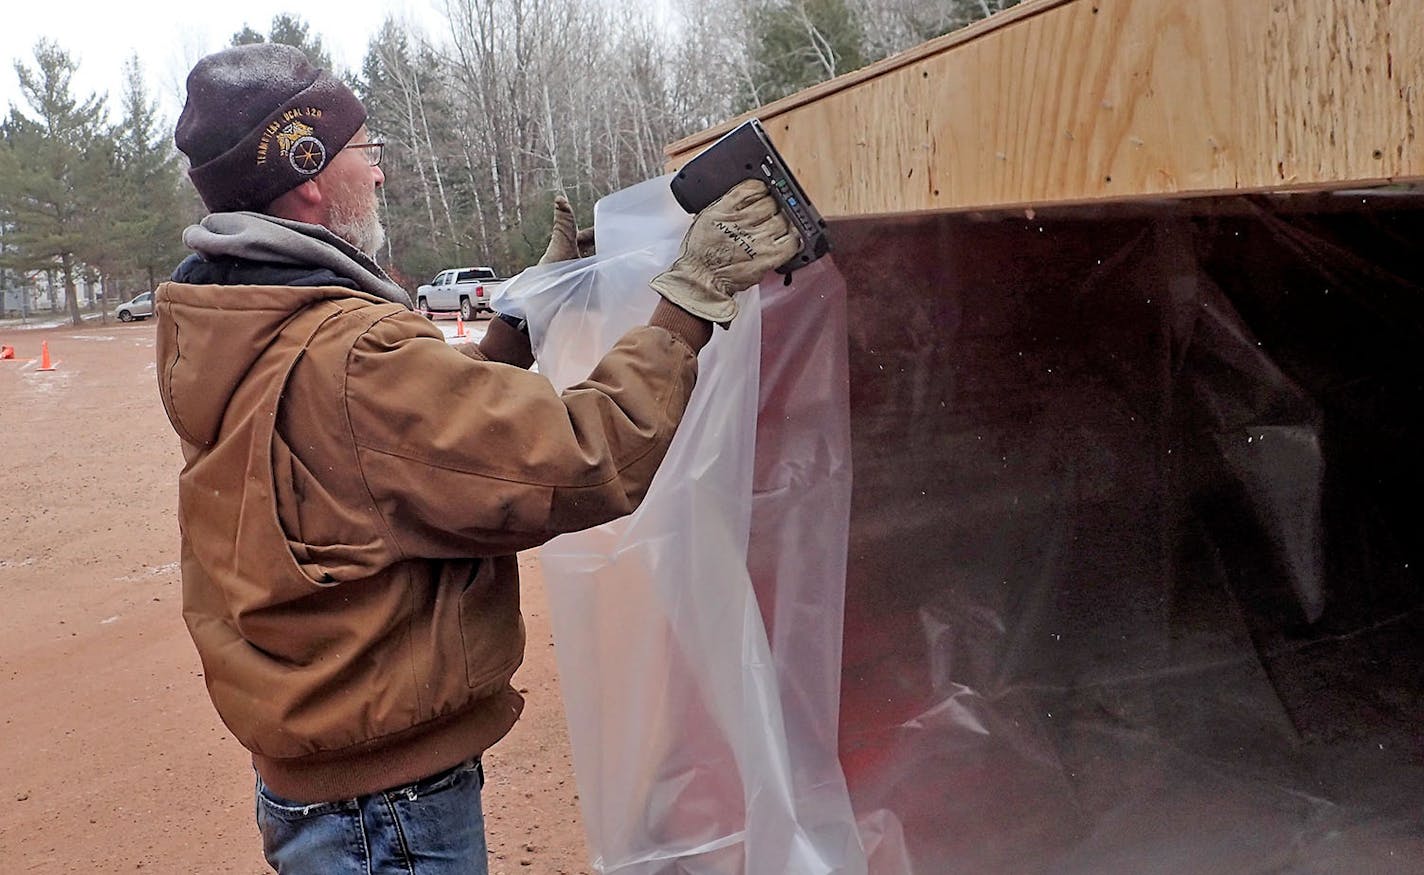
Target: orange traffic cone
[[7, 352], [44, 357], [459, 326]]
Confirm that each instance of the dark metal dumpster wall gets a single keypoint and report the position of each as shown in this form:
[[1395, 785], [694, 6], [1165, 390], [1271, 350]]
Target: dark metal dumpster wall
[[1134, 583]]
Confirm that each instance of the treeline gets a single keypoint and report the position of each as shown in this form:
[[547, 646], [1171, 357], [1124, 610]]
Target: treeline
[[514, 101], [82, 198]]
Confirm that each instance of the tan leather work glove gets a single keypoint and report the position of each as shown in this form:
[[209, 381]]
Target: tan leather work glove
[[563, 239], [728, 248]]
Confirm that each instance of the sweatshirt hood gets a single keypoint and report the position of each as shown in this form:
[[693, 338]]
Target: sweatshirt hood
[[263, 239], [209, 336]]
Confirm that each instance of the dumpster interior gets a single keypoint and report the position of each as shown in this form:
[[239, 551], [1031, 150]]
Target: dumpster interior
[[1133, 580]]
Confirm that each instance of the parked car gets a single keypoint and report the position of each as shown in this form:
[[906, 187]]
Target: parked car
[[467, 289], [141, 307]]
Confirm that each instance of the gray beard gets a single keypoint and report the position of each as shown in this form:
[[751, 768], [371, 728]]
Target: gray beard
[[358, 225]]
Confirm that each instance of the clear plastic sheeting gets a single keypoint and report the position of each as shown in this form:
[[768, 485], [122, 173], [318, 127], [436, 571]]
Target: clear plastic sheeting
[[699, 640]]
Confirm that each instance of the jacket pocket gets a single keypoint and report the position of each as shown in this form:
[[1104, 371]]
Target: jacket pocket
[[491, 628]]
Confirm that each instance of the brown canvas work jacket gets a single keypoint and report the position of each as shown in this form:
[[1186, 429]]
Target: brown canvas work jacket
[[353, 493]]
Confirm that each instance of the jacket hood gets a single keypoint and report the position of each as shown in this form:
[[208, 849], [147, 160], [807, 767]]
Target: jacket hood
[[209, 336]]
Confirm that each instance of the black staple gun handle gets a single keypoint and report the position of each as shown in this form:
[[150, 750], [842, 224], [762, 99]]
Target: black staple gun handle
[[747, 153]]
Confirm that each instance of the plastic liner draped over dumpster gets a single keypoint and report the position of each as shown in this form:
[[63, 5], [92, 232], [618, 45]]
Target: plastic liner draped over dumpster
[[699, 640], [1131, 575]]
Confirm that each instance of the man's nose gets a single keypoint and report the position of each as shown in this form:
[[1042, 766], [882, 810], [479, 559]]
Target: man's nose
[[380, 176]]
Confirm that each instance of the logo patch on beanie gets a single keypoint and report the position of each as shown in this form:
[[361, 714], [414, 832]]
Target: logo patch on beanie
[[307, 155], [296, 141]]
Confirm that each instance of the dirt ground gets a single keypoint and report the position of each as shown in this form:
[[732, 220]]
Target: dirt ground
[[111, 756]]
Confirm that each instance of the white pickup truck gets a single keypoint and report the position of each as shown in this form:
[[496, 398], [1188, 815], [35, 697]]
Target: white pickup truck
[[467, 289]]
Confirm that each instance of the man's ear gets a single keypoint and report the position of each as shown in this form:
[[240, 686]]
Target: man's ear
[[310, 193], [300, 204]]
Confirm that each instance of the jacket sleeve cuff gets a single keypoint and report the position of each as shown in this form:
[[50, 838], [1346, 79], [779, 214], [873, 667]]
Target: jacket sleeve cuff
[[692, 330], [506, 344]]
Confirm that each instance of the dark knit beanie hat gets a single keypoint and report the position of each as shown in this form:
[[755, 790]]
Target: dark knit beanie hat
[[261, 120]]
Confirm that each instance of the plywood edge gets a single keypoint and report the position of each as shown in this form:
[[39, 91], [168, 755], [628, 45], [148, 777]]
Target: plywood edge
[[1365, 186], [684, 149]]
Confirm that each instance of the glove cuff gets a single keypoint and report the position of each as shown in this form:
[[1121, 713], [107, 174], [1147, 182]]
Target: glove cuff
[[695, 297]]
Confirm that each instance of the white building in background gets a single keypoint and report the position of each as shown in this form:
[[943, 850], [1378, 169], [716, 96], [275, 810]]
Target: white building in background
[[13, 302], [43, 291]]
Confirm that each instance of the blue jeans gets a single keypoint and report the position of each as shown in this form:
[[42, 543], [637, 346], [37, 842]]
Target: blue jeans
[[432, 827]]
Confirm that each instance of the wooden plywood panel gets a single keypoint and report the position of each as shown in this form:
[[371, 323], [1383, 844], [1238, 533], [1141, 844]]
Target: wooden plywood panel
[[1083, 100]]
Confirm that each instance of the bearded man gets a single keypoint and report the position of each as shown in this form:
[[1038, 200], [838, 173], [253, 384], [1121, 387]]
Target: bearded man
[[355, 489]]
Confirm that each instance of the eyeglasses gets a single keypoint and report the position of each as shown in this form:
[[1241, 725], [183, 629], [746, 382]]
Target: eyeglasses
[[372, 151]]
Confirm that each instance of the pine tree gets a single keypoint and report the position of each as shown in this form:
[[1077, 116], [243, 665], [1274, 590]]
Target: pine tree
[[402, 95], [152, 209], [797, 43], [49, 165], [287, 30]]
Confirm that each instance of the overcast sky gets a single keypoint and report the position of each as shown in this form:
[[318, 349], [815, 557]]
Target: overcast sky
[[169, 36]]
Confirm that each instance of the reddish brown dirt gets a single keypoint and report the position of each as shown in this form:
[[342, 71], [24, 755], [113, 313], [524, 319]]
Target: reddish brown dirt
[[111, 757]]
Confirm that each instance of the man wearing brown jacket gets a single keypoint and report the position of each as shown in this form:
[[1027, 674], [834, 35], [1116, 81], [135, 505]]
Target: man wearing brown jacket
[[355, 489]]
